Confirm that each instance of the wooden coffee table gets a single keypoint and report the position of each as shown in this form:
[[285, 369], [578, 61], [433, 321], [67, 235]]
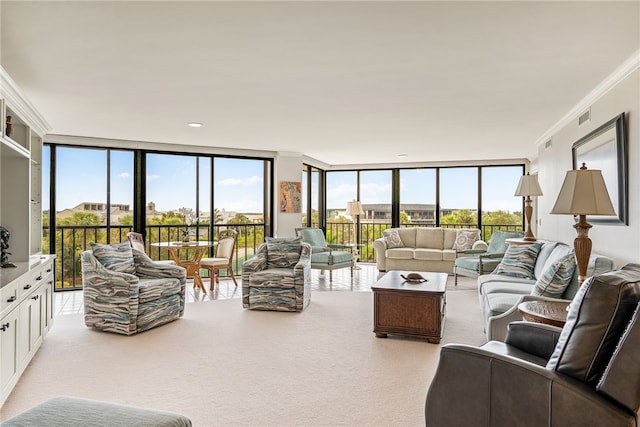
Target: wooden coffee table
[[548, 312], [410, 309]]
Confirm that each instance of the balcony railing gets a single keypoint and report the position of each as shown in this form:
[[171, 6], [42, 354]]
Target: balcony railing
[[71, 240]]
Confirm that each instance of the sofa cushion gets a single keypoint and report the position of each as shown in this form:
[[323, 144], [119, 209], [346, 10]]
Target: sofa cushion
[[543, 255], [471, 263], [555, 279], [408, 236], [523, 287], [449, 237], [116, 257], [519, 260], [392, 238], [338, 257], [157, 288], [498, 303], [429, 237], [597, 318], [448, 255], [399, 253], [465, 239], [427, 254], [559, 251]]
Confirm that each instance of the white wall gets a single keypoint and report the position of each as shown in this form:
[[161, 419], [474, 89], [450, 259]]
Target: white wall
[[288, 167], [620, 242]]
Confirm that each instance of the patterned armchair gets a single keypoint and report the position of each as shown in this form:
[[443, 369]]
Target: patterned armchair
[[126, 292], [278, 277]]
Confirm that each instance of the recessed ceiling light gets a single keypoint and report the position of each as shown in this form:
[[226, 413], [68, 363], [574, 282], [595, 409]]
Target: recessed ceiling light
[[194, 125], [403, 155]]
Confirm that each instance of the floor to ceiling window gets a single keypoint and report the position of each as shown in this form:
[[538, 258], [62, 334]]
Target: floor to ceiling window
[[341, 187], [459, 197], [501, 210], [311, 194], [93, 202], [418, 197], [180, 194]]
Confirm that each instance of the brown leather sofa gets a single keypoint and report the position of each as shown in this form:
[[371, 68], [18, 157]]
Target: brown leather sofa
[[585, 374]]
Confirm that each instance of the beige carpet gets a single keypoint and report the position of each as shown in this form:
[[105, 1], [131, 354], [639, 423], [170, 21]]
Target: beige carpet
[[224, 366]]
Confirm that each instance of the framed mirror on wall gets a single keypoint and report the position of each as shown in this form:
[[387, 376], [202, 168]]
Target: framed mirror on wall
[[606, 149]]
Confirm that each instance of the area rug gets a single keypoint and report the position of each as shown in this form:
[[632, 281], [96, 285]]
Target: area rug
[[222, 365]]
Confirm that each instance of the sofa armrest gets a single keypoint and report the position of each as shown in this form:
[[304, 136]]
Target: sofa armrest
[[480, 245], [534, 338], [103, 280], [147, 268], [257, 263], [380, 247], [305, 258], [496, 326]]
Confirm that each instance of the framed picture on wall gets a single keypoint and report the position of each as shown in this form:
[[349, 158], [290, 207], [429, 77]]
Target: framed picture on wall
[[290, 197], [606, 149]]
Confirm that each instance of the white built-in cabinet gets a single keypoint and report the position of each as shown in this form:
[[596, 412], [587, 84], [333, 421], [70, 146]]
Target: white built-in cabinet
[[26, 290]]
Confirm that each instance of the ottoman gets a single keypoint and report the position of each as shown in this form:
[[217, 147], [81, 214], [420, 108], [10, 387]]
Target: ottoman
[[71, 411]]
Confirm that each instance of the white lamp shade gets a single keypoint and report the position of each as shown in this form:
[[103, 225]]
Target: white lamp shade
[[528, 186], [354, 208], [583, 192]]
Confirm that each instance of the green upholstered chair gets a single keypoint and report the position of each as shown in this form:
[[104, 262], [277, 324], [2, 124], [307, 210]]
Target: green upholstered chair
[[476, 262], [323, 255]]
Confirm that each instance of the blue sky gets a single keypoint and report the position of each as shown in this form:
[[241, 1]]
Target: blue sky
[[81, 176]]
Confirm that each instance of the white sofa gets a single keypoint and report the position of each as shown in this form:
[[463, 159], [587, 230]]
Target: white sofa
[[500, 294], [423, 249]]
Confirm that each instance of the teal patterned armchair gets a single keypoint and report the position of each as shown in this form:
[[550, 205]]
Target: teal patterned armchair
[[278, 277], [325, 256], [126, 292]]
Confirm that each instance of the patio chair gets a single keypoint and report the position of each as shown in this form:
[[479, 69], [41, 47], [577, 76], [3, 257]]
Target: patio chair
[[476, 262], [126, 292], [324, 256], [278, 277], [223, 258]]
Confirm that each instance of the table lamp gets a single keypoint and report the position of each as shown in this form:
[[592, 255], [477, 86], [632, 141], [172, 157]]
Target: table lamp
[[583, 193], [527, 187]]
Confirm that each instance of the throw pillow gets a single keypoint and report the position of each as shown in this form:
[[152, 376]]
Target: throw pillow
[[555, 279], [392, 238], [465, 239], [283, 252], [519, 261], [117, 257]]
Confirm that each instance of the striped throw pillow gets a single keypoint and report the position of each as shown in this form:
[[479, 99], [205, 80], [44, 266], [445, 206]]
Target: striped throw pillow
[[519, 260], [555, 279]]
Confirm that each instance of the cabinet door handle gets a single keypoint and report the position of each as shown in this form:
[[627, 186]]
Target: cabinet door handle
[[48, 270], [39, 277], [5, 326], [12, 298], [35, 298], [27, 286]]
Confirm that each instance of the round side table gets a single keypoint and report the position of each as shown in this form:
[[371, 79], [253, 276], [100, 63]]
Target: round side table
[[548, 312]]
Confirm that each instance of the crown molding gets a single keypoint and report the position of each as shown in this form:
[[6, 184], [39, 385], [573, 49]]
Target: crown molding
[[14, 98], [618, 75]]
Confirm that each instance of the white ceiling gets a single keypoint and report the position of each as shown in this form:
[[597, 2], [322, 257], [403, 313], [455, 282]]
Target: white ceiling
[[342, 82]]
